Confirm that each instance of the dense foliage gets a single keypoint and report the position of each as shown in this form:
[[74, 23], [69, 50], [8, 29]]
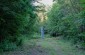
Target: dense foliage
[[16, 17], [67, 18]]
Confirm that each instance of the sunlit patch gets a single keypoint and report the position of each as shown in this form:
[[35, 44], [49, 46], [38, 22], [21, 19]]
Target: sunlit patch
[[47, 2]]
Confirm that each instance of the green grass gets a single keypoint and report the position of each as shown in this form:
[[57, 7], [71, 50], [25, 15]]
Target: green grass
[[59, 47], [48, 46], [53, 46]]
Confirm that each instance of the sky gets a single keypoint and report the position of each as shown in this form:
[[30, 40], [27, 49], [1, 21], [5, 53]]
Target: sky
[[45, 2]]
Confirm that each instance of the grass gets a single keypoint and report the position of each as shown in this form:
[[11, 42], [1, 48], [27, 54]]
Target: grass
[[46, 46], [59, 47]]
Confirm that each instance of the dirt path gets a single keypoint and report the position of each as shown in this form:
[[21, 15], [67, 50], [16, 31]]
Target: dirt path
[[48, 46]]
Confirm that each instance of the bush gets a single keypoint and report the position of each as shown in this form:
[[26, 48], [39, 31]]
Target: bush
[[67, 20], [16, 16]]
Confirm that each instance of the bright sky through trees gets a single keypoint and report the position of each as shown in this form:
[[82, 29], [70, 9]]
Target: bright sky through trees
[[45, 2]]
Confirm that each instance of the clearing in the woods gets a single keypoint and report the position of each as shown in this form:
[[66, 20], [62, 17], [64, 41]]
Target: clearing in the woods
[[46, 46]]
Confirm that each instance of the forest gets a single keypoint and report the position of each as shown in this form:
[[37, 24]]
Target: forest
[[67, 18], [41, 28]]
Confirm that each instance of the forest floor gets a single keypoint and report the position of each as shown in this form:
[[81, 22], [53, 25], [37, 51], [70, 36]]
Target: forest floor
[[46, 46]]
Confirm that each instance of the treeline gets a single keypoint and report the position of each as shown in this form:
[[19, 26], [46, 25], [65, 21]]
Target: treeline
[[17, 17], [67, 18]]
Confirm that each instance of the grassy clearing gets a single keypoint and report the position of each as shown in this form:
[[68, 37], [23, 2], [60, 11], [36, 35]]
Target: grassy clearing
[[46, 46], [56, 46]]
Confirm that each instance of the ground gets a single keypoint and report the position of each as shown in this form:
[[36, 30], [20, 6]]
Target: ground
[[46, 46]]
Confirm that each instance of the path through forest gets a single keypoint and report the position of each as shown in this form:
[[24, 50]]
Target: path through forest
[[47, 46]]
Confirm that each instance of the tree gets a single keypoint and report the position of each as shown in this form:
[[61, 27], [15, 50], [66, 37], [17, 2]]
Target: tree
[[67, 18], [16, 16]]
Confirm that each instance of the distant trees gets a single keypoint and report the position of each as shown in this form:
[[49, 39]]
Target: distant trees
[[16, 17], [67, 17]]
